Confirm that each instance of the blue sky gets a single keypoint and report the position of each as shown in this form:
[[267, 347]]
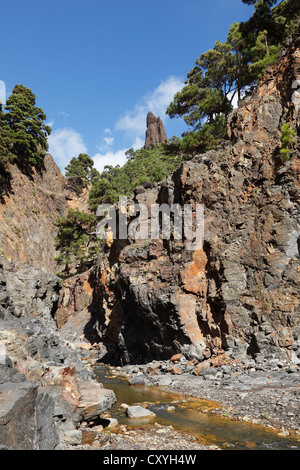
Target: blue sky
[[97, 67]]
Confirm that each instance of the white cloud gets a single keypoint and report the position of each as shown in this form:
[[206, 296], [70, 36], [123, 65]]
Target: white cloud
[[235, 99], [109, 158], [107, 141], [2, 92], [133, 122], [64, 144]]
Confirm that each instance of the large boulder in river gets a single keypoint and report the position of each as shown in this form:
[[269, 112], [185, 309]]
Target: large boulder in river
[[138, 411]]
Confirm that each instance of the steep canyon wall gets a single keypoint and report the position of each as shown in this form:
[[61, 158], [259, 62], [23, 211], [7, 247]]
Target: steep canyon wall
[[240, 292]]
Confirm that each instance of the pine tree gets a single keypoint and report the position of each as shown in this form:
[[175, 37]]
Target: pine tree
[[23, 134], [81, 170], [73, 240], [287, 138]]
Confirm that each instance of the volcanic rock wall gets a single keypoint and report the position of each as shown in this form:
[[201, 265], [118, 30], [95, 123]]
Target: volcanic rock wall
[[240, 291], [45, 390], [27, 215], [29, 210]]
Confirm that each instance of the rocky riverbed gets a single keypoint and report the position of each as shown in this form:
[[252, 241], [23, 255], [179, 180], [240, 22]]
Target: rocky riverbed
[[151, 438], [46, 380], [265, 393], [261, 392]]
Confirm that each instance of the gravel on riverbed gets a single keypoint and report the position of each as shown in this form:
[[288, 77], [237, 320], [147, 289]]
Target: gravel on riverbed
[[151, 437], [265, 393]]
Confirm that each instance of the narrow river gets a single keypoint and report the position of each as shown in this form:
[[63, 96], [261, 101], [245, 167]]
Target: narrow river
[[189, 415]]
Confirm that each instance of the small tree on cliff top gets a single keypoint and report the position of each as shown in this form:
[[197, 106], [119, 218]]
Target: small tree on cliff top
[[81, 170]]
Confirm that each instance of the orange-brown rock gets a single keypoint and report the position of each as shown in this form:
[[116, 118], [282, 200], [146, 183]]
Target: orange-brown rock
[[152, 370], [94, 400], [76, 296], [176, 357], [199, 368], [28, 212], [69, 386]]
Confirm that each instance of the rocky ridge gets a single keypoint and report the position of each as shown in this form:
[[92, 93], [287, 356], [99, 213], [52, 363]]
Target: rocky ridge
[[46, 392], [29, 210]]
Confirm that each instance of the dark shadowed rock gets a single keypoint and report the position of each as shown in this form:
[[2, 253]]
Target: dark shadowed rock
[[26, 416]]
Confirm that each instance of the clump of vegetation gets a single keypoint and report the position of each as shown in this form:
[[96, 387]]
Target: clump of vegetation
[[23, 134], [81, 171], [287, 138], [143, 165], [77, 247]]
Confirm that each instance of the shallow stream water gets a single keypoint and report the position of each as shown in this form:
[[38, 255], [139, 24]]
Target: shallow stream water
[[190, 415]]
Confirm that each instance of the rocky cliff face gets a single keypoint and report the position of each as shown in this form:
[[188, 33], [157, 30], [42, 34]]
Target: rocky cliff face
[[29, 210], [150, 299], [45, 390], [155, 133], [27, 215], [239, 293]]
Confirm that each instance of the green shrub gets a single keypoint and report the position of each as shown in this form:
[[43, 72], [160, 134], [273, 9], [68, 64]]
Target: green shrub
[[287, 138]]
